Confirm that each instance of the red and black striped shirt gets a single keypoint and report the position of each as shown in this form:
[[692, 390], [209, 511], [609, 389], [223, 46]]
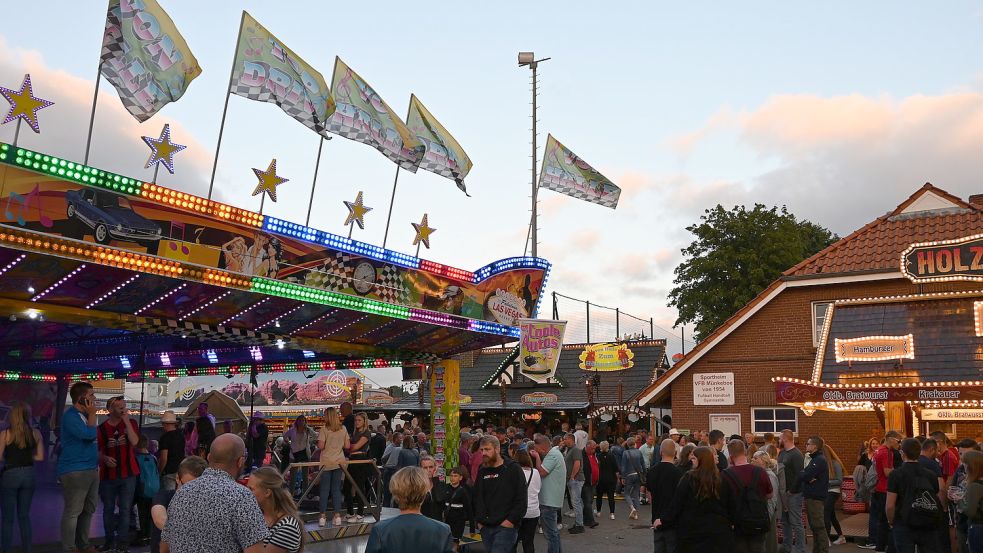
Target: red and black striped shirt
[[114, 443]]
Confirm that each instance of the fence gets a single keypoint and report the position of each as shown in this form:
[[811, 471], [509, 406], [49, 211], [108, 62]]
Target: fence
[[592, 322]]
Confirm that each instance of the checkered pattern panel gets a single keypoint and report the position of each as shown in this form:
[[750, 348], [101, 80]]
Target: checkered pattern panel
[[150, 325], [334, 274], [555, 184], [342, 124], [262, 94], [391, 288]]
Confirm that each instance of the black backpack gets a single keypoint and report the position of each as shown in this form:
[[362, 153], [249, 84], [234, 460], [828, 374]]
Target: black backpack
[[920, 507], [751, 516]]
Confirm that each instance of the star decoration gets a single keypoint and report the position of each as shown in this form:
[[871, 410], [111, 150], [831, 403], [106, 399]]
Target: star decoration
[[162, 149], [423, 232], [268, 180], [23, 104], [356, 212]]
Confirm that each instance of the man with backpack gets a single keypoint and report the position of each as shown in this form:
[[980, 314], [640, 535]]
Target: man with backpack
[[815, 486], [912, 505], [752, 489]]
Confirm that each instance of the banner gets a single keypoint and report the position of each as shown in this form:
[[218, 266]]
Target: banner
[[444, 155], [607, 357], [145, 57], [567, 174], [540, 343], [364, 117], [267, 71]]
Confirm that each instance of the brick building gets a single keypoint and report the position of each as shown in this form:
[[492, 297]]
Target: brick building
[[772, 364]]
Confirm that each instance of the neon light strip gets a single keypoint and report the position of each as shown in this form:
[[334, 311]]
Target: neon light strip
[[200, 307], [158, 300], [59, 283], [12, 263], [113, 291], [11, 375], [278, 317], [244, 311]]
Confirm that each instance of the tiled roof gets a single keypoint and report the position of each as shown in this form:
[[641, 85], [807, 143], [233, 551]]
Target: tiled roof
[[877, 246]]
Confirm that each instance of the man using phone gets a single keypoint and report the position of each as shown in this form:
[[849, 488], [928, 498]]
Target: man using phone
[[78, 468], [118, 471]]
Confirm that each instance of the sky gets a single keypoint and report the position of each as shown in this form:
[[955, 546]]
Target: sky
[[839, 110]]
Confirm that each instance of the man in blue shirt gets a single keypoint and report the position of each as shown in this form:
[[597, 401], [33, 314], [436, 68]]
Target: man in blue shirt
[[78, 468]]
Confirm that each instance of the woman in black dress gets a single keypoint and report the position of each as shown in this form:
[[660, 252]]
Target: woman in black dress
[[700, 511], [607, 468]]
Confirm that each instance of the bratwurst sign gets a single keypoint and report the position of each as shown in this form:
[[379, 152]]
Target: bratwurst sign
[[959, 259]]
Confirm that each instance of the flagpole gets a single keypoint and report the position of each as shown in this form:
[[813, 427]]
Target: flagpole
[[92, 116], [262, 200], [225, 110], [317, 164], [17, 131], [156, 168], [351, 227], [418, 249], [392, 200]]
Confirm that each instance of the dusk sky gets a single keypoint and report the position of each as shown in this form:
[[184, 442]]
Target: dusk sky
[[838, 109]]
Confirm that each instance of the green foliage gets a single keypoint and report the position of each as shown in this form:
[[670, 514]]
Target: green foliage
[[735, 256]]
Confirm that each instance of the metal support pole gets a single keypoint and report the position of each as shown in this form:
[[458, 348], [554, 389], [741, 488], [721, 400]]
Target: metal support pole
[[535, 219], [225, 109], [392, 201], [92, 116], [651, 328], [617, 323], [588, 321], [682, 338], [556, 312], [317, 164], [16, 131]]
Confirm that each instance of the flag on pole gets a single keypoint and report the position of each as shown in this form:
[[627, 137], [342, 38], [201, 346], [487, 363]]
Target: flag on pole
[[267, 71], [444, 155], [145, 57], [364, 117], [567, 174]]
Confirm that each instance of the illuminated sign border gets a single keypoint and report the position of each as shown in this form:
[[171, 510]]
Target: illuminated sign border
[[907, 353], [921, 279]]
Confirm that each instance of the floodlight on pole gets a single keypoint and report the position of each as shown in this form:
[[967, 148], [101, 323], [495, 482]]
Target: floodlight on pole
[[529, 59]]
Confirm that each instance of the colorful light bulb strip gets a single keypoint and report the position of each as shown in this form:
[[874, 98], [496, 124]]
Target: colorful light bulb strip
[[509, 264], [10, 265], [61, 281], [245, 369], [276, 320], [440, 319], [12, 375], [69, 170], [244, 311], [308, 234], [314, 321], [325, 297], [113, 291]]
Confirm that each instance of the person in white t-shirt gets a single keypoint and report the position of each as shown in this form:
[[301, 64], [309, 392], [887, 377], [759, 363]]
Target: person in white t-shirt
[[580, 437], [527, 531]]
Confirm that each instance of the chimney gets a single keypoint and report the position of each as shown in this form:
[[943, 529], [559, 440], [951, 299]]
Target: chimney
[[976, 200]]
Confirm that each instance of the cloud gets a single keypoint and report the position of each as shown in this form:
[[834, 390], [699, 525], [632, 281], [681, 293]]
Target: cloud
[[116, 142]]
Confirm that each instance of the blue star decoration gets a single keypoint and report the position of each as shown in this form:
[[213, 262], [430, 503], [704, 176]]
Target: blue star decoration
[[162, 150], [268, 180], [423, 232], [357, 211], [24, 105]]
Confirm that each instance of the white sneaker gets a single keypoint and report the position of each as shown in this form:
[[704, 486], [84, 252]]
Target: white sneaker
[[612, 516], [597, 513], [540, 529], [571, 514], [350, 518], [359, 518], [336, 521], [840, 540], [559, 527], [323, 521], [633, 514]]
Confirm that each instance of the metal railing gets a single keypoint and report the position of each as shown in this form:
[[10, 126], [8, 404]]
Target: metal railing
[[374, 507]]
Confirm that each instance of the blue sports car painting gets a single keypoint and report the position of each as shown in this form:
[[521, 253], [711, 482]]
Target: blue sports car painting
[[110, 217]]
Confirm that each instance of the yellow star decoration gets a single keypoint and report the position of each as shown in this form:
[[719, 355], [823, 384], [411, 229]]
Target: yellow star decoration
[[357, 211], [162, 150], [268, 180], [423, 232], [23, 104]]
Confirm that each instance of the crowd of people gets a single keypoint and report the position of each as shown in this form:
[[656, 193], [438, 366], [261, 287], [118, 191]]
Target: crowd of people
[[707, 491]]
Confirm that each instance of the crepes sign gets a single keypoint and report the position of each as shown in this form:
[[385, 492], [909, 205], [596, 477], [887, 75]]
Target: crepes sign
[[540, 343]]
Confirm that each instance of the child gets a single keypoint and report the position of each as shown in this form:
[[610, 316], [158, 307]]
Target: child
[[147, 486], [459, 510]]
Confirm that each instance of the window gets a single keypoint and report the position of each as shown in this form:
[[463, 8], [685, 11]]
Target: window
[[819, 311], [774, 419]]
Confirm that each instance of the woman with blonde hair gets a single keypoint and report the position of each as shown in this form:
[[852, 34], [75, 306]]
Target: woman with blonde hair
[[763, 460], [332, 440], [286, 533], [410, 532], [20, 447], [835, 467]]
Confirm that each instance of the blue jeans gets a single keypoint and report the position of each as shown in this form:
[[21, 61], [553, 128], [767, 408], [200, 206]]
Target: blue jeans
[[117, 493], [792, 524], [905, 539], [632, 488], [975, 538], [17, 491], [576, 488], [547, 518], [331, 480], [878, 510], [499, 539]]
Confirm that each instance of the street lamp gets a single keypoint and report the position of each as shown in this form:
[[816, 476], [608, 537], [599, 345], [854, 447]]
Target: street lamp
[[529, 59]]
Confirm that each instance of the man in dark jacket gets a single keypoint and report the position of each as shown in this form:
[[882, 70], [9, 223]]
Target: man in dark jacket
[[815, 485], [499, 498], [661, 481]]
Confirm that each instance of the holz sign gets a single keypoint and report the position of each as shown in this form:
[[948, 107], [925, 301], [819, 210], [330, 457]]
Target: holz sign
[[952, 259]]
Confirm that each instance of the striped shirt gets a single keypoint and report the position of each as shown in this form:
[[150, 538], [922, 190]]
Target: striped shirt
[[113, 443], [285, 534]]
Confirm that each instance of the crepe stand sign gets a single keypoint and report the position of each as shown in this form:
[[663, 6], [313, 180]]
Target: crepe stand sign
[[607, 358], [464, 400], [539, 398], [540, 344], [378, 399]]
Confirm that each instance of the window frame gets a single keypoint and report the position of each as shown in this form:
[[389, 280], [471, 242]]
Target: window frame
[[817, 330], [774, 419]]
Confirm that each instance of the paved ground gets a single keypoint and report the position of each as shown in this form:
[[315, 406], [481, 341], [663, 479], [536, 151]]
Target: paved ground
[[626, 535]]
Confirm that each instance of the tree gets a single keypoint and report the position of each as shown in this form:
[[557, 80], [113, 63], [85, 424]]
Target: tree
[[735, 256]]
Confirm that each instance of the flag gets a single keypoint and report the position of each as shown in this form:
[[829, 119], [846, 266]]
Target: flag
[[443, 155], [567, 174], [267, 71], [364, 117], [145, 57], [540, 344]]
